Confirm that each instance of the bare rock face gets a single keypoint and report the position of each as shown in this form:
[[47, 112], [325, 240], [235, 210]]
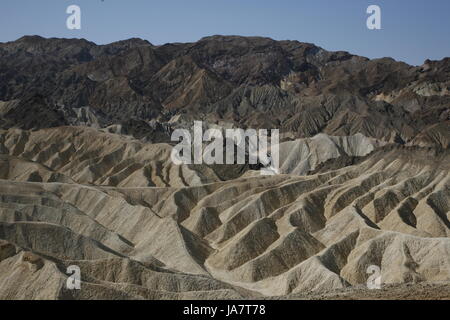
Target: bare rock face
[[304, 155], [248, 81], [86, 177], [248, 237]]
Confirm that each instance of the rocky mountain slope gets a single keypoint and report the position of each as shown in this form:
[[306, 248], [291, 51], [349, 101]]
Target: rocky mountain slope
[[86, 177], [249, 82]]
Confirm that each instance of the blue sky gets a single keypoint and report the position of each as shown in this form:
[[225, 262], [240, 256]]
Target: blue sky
[[412, 30]]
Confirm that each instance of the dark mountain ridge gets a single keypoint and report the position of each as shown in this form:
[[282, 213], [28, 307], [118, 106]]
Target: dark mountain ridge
[[246, 81]]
